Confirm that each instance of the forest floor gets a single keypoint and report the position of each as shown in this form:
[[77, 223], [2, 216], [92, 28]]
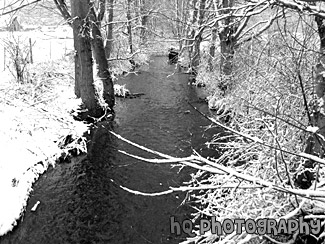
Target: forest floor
[[35, 116]]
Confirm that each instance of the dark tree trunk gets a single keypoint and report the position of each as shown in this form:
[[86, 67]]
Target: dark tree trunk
[[227, 49], [198, 35], [196, 52], [84, 65], [213, 40], [101, 64], [317, 144], [212, 49], [129, 30], [85, 19], [191, 33], [182, 19], [77, 68], [178, 25], [227, 40], [109, 29], [144, 20]]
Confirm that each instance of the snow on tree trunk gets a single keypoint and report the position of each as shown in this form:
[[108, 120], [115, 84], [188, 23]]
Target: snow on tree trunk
[[101, 64], [85, 81]]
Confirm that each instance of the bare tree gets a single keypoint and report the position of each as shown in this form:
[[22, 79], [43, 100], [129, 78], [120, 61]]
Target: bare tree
[[129, 30], [143, 21], [109, 28], [198, 36], [85, 20]]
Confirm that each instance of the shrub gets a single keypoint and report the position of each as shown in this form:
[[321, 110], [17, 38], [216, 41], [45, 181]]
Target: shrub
[[19, 57], [270, 81]]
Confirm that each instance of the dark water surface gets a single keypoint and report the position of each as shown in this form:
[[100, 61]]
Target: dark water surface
[[79, 201]]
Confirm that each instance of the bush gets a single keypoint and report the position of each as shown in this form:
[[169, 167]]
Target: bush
[[19, 57], [270, 81]]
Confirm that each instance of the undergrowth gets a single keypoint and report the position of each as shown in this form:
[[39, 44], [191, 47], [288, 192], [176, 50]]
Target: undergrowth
[[41, 105], [266, 99]]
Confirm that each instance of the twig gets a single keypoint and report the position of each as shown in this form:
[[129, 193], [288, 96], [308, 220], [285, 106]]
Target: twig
[[42, 101], [141, 147], [304, 97], [282, 157], [275, 116], [259, 141], [220, 169], [192, 163], [179, 189], [20, 7]]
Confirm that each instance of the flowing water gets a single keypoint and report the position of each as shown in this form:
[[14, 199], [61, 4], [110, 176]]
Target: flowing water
[[81, 201]]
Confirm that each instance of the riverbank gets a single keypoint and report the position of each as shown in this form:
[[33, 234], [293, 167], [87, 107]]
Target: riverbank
[[270, 167], [85, 202], [34, 117]]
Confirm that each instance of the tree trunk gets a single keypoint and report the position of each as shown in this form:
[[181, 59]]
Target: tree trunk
[[101, 64], [77, 68], [196, 53], [144, 20], [191, 33], [316, 144], [84, 64], [227, 40], [109, 29], [183, 19], [198, 35], [178, 25], [227, 49], [129, 30], [177, 17], [212, 49], [213, 40]]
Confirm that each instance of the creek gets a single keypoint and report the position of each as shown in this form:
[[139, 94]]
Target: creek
[[79, 202]]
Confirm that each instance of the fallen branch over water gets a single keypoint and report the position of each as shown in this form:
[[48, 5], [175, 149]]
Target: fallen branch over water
[[232, 182], [183, 189], [201, 163]]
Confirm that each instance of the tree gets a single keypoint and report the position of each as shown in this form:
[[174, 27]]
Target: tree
[[142, 15], [129, 30], [85, 20], [234, 28], [198, 15], [99, 54], [316, 115], [227, 20], [109, 28], [191, 29]]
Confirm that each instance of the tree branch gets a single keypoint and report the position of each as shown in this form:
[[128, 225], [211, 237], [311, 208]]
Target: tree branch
[[20, 7], [62, 7]]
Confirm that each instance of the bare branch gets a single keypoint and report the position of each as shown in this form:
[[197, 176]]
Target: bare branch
[[259, 32], [20, 7], [62, 7], [301, 6], [218, 168]]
